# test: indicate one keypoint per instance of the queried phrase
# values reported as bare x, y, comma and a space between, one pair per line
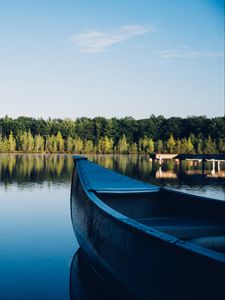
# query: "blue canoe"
148, 242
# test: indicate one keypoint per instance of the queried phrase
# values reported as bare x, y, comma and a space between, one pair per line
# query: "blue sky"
111, 58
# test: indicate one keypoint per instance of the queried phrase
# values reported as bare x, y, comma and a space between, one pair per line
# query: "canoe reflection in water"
85, 282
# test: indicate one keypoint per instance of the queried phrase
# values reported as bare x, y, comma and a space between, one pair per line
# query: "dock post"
180, 165
213, 167
160, 171
153, 172
203, 166
160, 161
218, 165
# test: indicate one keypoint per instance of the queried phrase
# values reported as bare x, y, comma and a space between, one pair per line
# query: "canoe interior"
194, 219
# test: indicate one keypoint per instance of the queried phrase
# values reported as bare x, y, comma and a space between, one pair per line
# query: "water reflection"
85, 282
162, 174
27, 168
24, 169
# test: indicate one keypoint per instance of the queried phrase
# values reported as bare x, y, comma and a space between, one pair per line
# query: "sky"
111, 58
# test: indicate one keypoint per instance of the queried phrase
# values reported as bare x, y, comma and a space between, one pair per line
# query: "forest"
195, 134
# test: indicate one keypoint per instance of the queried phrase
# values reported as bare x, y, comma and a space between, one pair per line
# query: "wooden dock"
203, 158
214, 158
161, 156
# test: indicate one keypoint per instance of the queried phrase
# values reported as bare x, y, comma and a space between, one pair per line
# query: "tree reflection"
57, 168
35, 168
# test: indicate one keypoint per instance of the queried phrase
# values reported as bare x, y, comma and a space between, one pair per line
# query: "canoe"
148, 242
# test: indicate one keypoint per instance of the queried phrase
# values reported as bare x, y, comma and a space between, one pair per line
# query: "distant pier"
215, 158
161, 156
203, 158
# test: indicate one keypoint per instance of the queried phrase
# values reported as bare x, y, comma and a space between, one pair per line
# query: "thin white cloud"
187, 52
92, 41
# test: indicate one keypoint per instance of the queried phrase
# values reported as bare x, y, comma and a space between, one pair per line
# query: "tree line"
125, 135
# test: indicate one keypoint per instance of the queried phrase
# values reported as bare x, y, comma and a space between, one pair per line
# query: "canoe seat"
216, 243
184, 228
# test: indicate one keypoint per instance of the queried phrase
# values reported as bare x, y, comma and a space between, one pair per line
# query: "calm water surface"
37, 243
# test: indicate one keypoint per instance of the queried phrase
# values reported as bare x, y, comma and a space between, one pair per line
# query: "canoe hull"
140, 264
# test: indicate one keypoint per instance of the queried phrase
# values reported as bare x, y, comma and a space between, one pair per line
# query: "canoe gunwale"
138, 228
121, 191
200, 198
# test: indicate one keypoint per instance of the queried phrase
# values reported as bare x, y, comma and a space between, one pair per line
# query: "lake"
37, 240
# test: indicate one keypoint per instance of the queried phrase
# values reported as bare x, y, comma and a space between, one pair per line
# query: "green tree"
123, 146
109, 130
159, 146
136, 131
199, 145
133, 148
47, 143
60, 142
4, 144
30, 142
171, 144
105, 145
210, 146
140, 145
52, 144
221, 145
150, 146
184, 146
193, 139
78, 145
88, 146
178, 146
69, 144
190, 147
145, 144
26, 141
38, 143
23, 141
11, 142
